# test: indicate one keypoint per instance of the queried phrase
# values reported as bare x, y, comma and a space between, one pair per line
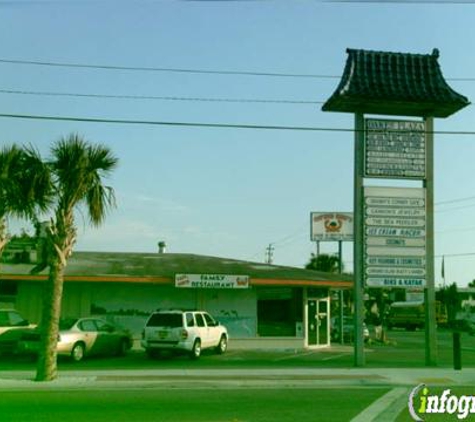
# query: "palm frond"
25, 182
79, 168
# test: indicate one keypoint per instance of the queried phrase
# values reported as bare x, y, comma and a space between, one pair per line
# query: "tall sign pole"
340, 293
394, 226
429, 291
359, 358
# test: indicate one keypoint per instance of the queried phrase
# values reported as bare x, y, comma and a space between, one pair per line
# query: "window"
4, 319
200, 322
8, 290
171, 320
210, 322
190, 320
16, 320
103, 327
66, 323
87, 325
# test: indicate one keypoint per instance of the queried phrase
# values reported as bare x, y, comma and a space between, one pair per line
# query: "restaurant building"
255, 301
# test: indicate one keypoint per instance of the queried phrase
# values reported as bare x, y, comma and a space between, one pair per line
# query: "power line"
452, 201
163, 123
162, 98
187, 70
153, 97
167, 69
202, 125
456, 254
460, 2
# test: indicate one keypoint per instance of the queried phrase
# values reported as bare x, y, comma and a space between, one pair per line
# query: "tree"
25, 186
472, 284
449, 297
323, 262
77, 169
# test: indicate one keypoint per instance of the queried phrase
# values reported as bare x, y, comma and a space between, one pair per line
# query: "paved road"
252, 385
219, 395
185, 405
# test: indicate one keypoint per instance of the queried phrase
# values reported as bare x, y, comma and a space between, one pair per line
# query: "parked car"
348, 330
80, 337
183, 332
465, 325
12, 327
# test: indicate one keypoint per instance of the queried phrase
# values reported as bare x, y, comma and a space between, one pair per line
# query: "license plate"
162, 334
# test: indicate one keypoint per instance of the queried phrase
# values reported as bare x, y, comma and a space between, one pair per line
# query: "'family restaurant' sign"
211, 281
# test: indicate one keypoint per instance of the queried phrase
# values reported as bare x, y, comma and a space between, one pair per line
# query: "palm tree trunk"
3, 235
47, 369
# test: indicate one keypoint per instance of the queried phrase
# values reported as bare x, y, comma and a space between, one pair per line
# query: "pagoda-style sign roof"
376, 82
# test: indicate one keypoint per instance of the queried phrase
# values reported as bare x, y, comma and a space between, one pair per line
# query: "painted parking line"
387, 408
341, 355
295, 356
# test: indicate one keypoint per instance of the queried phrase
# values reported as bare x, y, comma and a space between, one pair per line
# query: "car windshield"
67, 323
165, 320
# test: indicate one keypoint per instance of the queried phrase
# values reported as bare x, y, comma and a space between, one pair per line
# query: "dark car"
80, 337
348, 330
465, 325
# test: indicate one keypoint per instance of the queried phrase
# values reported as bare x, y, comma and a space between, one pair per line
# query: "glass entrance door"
312, 332
323, 307
318, 319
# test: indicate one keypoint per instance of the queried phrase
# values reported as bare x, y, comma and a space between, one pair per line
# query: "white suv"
183, 331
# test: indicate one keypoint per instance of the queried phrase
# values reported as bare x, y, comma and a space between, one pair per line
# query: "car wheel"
77, 352
123, 347
196, 350
222, 345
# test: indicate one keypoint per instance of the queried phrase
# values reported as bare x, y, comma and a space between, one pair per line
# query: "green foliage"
25, 186
323, 262
450, 298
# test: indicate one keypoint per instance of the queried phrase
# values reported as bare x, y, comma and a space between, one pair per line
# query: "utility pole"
269, 253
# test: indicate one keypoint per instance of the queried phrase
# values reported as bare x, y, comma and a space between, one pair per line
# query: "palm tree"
25, 186
77, 169
323, 262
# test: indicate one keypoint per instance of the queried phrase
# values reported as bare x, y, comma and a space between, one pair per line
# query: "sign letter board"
395, 237
395, 149
331, 226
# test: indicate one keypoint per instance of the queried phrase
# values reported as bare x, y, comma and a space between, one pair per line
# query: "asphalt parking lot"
404, 349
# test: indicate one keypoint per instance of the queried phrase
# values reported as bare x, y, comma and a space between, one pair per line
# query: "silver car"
80, 337
12, 328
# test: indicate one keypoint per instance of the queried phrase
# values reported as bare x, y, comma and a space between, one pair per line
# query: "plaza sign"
211, 281
395, 149
395, 237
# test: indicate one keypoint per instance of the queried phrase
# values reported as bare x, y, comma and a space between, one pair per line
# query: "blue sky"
231, 192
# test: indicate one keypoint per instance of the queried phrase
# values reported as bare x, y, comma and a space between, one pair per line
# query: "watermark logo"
422, 403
